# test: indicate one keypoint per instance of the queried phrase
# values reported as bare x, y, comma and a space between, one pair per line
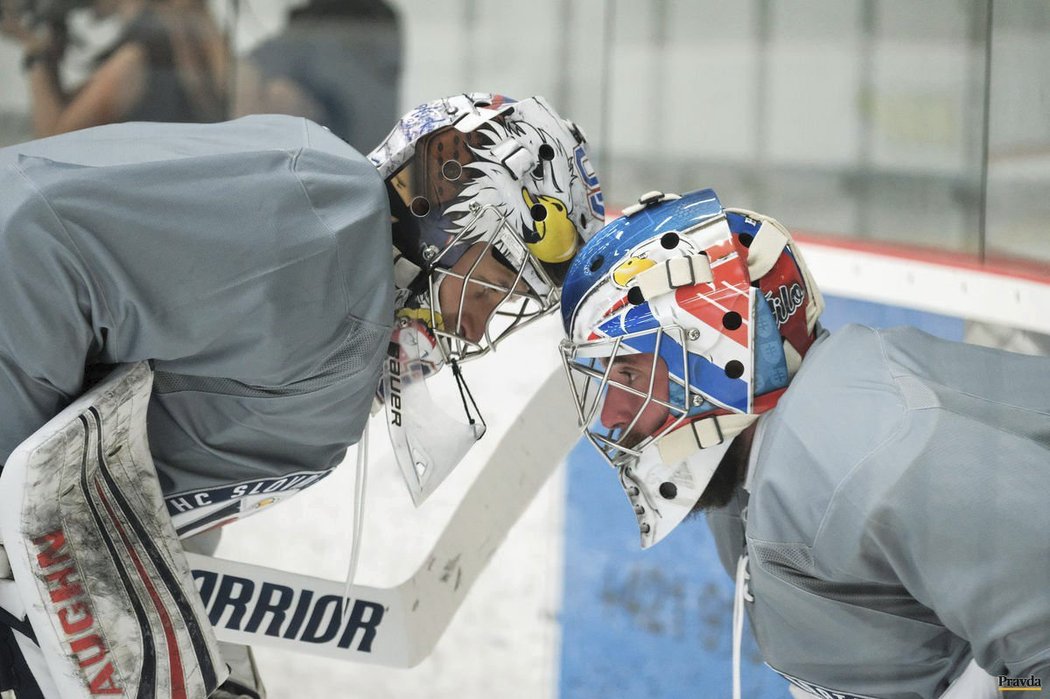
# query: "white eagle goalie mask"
490, 200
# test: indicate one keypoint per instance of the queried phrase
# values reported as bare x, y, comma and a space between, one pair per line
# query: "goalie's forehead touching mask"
491, 198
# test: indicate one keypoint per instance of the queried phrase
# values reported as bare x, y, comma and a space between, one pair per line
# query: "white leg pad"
96, 561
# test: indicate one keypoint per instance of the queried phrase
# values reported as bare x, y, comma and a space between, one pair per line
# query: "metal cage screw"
694, 334
430, 252
697, 399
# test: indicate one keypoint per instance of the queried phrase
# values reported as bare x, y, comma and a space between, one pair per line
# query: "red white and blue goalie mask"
685, 322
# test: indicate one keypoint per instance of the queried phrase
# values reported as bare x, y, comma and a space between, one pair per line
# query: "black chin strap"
464, 394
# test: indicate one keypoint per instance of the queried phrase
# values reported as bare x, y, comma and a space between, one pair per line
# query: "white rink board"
504, 640
931, 286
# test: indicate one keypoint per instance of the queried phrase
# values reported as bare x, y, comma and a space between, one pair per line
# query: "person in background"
338, 62
169, 63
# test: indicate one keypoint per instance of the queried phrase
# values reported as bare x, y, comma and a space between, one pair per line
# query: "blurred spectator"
168, 64
338, 62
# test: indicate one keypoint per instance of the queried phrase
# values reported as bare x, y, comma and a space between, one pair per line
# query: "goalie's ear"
97, 564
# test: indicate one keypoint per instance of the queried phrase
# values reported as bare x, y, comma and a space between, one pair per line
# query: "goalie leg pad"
96, 560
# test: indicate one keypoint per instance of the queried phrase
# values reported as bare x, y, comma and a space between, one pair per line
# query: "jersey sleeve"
46, 330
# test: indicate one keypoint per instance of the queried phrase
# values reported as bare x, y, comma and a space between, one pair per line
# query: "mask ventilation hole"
669, 241
537, 171
451, 170
539, 212
732, 320
668, 490
420, 207
745, 239
636, 297
546, 152
597, 263
734, 369
482, 103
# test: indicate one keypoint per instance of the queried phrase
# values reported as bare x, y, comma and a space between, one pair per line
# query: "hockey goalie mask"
490, 199
685, 322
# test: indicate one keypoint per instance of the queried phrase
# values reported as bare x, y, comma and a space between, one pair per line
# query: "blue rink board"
656, 624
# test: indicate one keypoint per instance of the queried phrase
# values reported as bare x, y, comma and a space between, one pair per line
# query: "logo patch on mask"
590, 179
785, 301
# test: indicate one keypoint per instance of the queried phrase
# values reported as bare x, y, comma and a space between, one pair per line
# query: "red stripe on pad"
178, 681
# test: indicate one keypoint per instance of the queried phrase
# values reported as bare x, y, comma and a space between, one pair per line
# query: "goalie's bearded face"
472, 289
635, 384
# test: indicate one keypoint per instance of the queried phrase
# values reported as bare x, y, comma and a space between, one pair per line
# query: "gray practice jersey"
898, 524
249, 260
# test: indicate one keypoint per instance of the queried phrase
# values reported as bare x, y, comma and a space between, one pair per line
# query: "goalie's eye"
623, 375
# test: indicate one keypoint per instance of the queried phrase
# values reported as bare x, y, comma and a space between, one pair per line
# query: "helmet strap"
406, 272
465, 394
515, 157
765, 249
792, 358
702, 434
666, 276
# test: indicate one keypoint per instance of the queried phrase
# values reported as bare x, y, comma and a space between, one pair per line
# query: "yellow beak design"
422, 315
631, 268
557, 234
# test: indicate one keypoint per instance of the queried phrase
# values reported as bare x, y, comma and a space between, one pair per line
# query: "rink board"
656, 623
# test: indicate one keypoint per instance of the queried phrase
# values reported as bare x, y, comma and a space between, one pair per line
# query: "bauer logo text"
394, 366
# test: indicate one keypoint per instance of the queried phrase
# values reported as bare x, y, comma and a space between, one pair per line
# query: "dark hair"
728, 476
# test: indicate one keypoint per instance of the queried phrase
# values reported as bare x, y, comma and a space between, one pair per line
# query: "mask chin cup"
428, 442
663, 494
